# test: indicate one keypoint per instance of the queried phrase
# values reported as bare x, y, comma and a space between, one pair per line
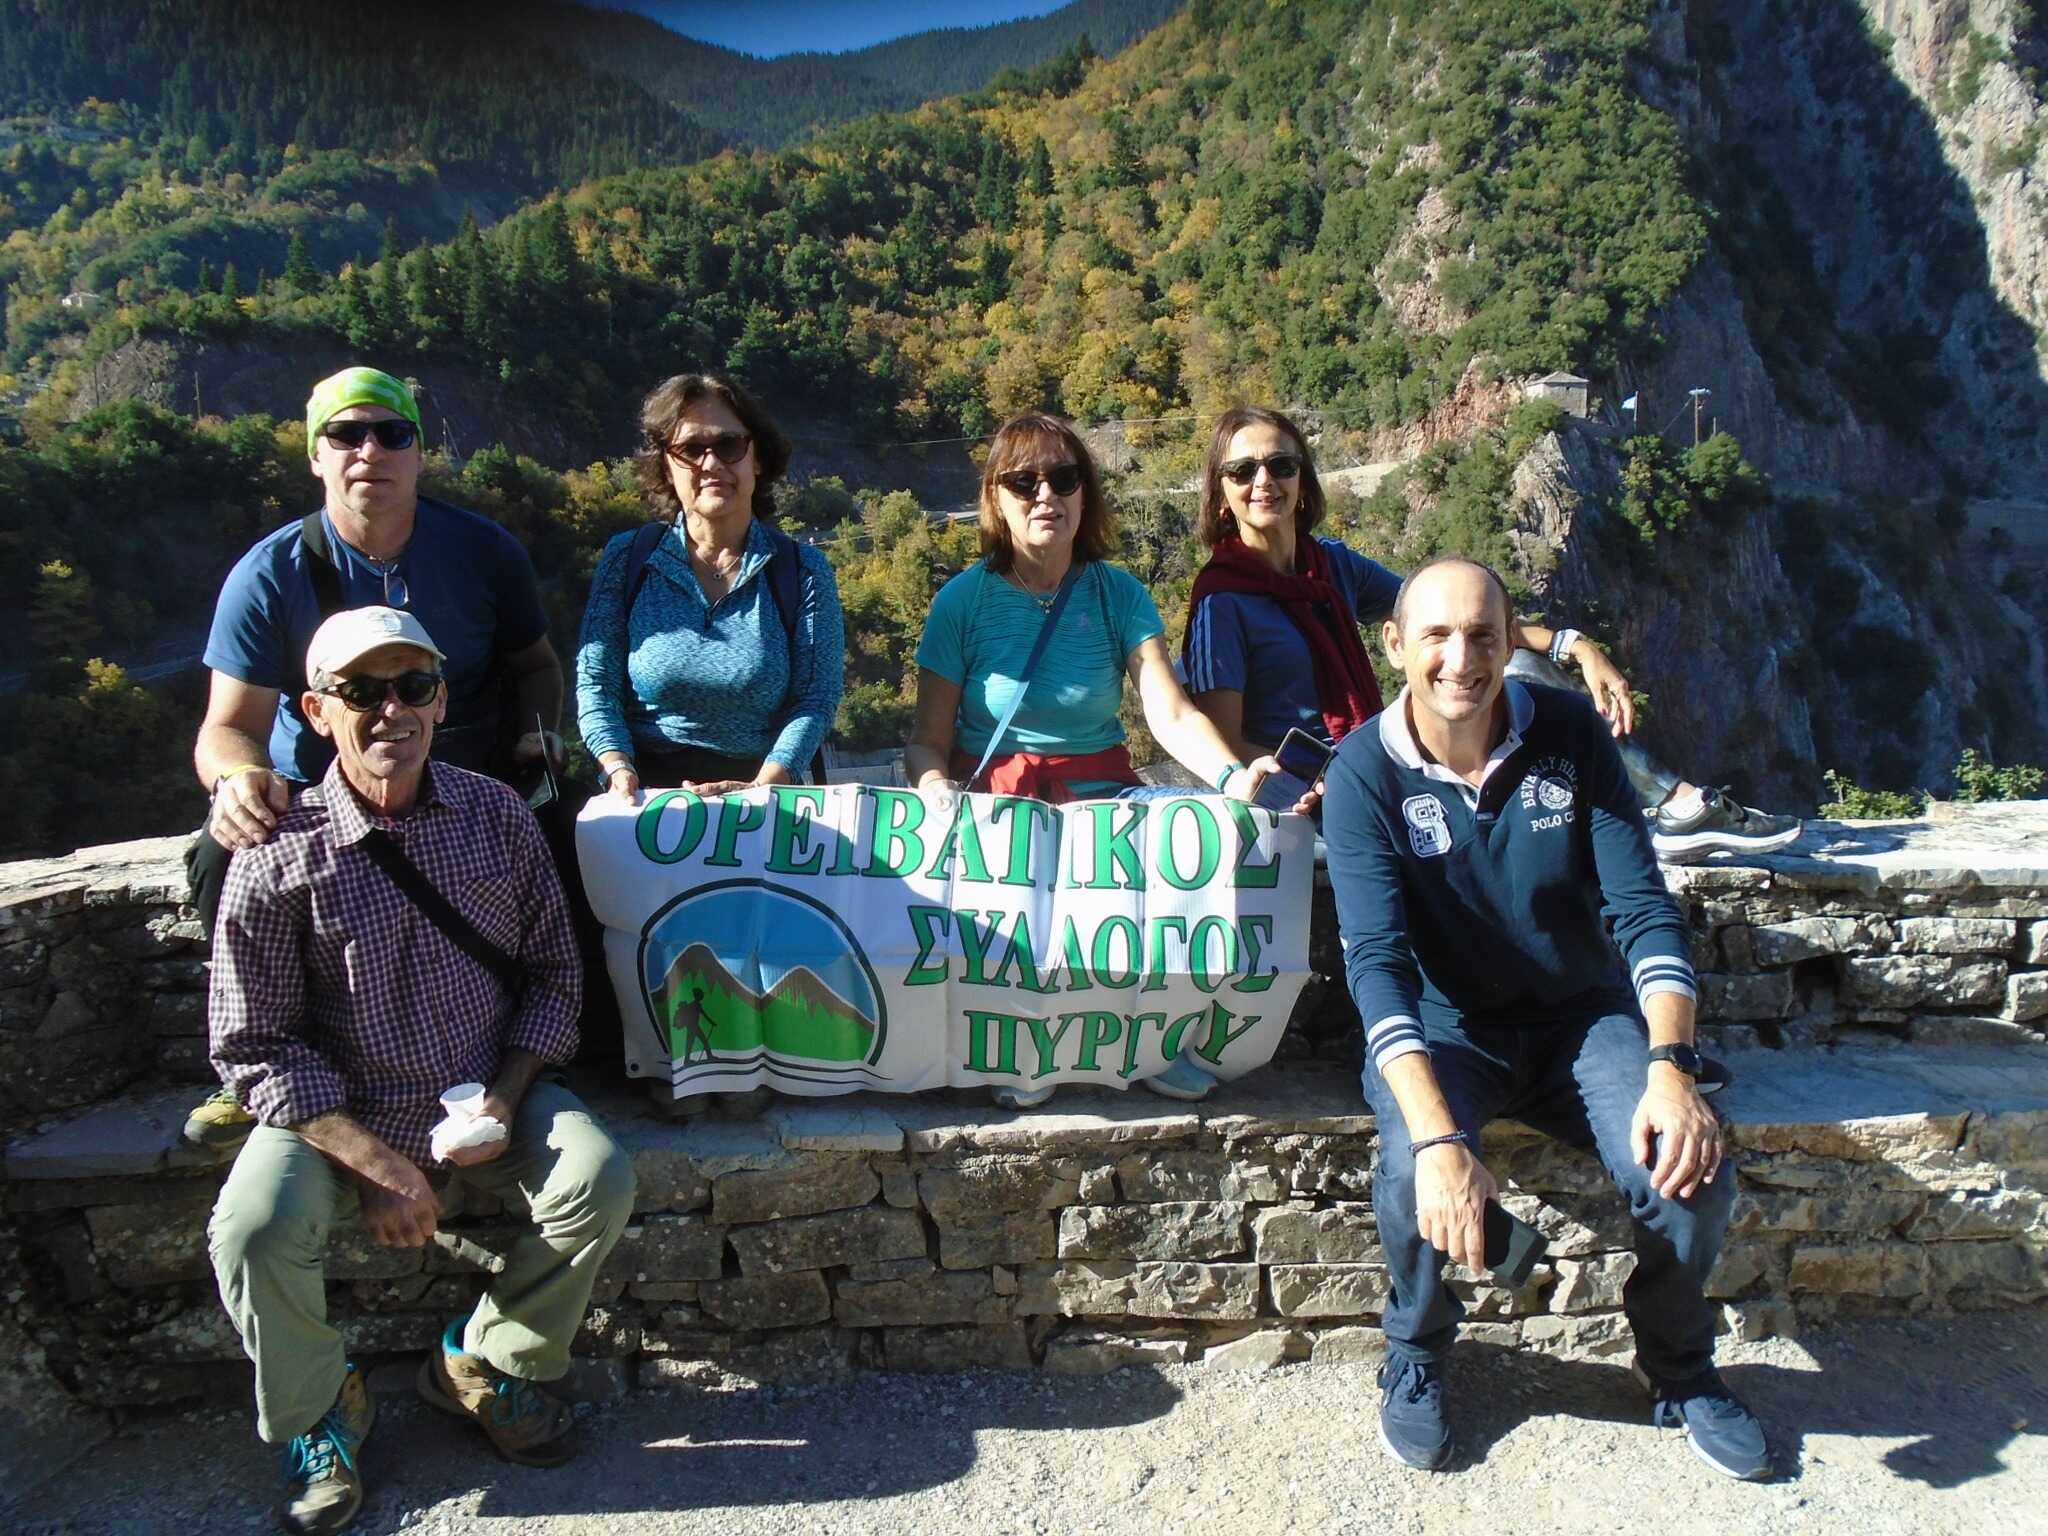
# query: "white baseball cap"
346, 637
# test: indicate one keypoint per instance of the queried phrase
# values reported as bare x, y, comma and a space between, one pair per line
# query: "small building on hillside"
1567, 390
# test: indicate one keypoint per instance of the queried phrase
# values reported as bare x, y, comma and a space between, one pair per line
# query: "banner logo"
721, 996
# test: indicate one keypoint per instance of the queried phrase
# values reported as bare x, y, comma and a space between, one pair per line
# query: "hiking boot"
1185, 1078
1723, 1432
323, 1487
1722, 822
1008, 1097
523, 1422
218, 1124
1412, 1426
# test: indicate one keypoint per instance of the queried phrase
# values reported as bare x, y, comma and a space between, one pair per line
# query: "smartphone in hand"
1512, 1246
1302, 761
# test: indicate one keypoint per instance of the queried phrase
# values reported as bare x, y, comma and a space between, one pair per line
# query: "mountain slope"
775, 102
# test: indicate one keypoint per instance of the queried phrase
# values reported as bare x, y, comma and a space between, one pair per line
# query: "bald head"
1435, 563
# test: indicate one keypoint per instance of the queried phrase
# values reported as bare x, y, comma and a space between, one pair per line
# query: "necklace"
1045, 600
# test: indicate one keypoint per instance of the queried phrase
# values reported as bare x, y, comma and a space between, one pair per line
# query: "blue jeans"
1653, 781
1579, 1082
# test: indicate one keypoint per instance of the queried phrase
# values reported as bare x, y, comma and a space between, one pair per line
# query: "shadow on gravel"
1957, 1410
869, 1437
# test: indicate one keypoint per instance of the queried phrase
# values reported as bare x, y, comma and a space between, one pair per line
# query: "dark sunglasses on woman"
1281, 466
415, 690
727, 448
1065, 479
391, 435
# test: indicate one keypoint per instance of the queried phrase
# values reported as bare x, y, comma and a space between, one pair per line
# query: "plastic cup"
465, 1101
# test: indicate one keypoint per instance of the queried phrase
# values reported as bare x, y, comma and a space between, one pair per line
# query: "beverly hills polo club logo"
1549, 792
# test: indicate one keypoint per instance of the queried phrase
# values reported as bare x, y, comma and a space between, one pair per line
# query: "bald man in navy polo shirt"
1489, 859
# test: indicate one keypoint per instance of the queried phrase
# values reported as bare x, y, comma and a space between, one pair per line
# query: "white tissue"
463, 1128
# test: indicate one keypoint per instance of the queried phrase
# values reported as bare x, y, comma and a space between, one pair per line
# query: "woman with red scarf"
1273, 631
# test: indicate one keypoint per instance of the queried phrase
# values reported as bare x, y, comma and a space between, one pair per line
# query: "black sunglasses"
415, 690
1281, 466
727, 448
1065, 479
392, 435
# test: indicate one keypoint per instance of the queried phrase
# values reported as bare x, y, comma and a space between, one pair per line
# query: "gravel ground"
1930, 1426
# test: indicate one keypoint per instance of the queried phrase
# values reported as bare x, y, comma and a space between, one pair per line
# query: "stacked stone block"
929, 1234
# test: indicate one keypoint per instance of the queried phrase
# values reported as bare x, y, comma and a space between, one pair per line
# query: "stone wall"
1877, 995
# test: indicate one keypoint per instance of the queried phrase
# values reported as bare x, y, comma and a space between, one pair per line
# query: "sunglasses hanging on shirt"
391, 435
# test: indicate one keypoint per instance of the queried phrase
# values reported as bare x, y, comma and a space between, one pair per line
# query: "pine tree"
390, 305
355, 319
423, 294
300, 275
205, 281
230, 283
1038, 174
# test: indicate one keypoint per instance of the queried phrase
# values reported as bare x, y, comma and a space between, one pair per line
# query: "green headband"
355, 386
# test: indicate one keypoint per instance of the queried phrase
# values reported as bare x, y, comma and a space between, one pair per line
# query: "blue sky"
766, 28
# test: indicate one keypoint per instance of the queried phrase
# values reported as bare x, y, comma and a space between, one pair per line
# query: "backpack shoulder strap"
786, 580
645, 539
321, 569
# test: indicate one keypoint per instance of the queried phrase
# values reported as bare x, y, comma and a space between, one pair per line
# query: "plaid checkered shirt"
332, 991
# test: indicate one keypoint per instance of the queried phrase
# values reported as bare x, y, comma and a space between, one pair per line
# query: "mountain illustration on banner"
742, 970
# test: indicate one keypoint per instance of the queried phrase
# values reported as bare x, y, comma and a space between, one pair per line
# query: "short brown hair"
1216, 523
1020, 444
664, 407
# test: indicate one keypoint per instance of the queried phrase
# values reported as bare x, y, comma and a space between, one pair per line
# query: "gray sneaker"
1722, 1431
1722, 822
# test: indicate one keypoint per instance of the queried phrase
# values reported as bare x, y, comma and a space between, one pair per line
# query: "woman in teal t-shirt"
1044, 522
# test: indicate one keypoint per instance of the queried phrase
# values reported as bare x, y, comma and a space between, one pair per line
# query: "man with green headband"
374, 540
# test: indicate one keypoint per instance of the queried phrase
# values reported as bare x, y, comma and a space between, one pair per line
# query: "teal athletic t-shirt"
980, 634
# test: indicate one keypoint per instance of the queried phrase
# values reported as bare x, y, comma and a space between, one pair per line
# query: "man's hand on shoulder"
1451, 1190
1674, 1125
246, 808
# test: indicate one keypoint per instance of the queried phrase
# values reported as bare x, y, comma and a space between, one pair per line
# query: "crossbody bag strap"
320, 567
385, 853
1052, 619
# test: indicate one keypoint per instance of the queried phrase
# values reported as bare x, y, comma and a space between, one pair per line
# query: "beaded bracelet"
1464, 1138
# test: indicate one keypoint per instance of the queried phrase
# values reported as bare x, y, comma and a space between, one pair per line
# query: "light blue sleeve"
1133, 615
820, 666
943, 647
601, 680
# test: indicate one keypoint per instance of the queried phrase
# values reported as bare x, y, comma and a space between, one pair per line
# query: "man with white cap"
400, 932
374, 539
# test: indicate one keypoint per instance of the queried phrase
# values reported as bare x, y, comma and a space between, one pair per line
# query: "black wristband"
1464, 1138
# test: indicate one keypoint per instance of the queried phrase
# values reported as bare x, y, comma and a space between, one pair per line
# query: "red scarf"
1347, 692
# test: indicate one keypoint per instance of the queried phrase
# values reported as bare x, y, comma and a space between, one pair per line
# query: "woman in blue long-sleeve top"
716, 662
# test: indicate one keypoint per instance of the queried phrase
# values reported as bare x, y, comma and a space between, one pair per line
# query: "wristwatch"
1681, 1056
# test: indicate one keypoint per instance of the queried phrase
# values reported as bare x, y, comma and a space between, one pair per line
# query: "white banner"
821, 940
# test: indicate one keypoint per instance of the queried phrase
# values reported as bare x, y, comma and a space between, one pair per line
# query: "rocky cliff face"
1868, 321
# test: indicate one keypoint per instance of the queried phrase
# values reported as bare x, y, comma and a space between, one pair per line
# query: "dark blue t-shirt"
467, 580
1246, 642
